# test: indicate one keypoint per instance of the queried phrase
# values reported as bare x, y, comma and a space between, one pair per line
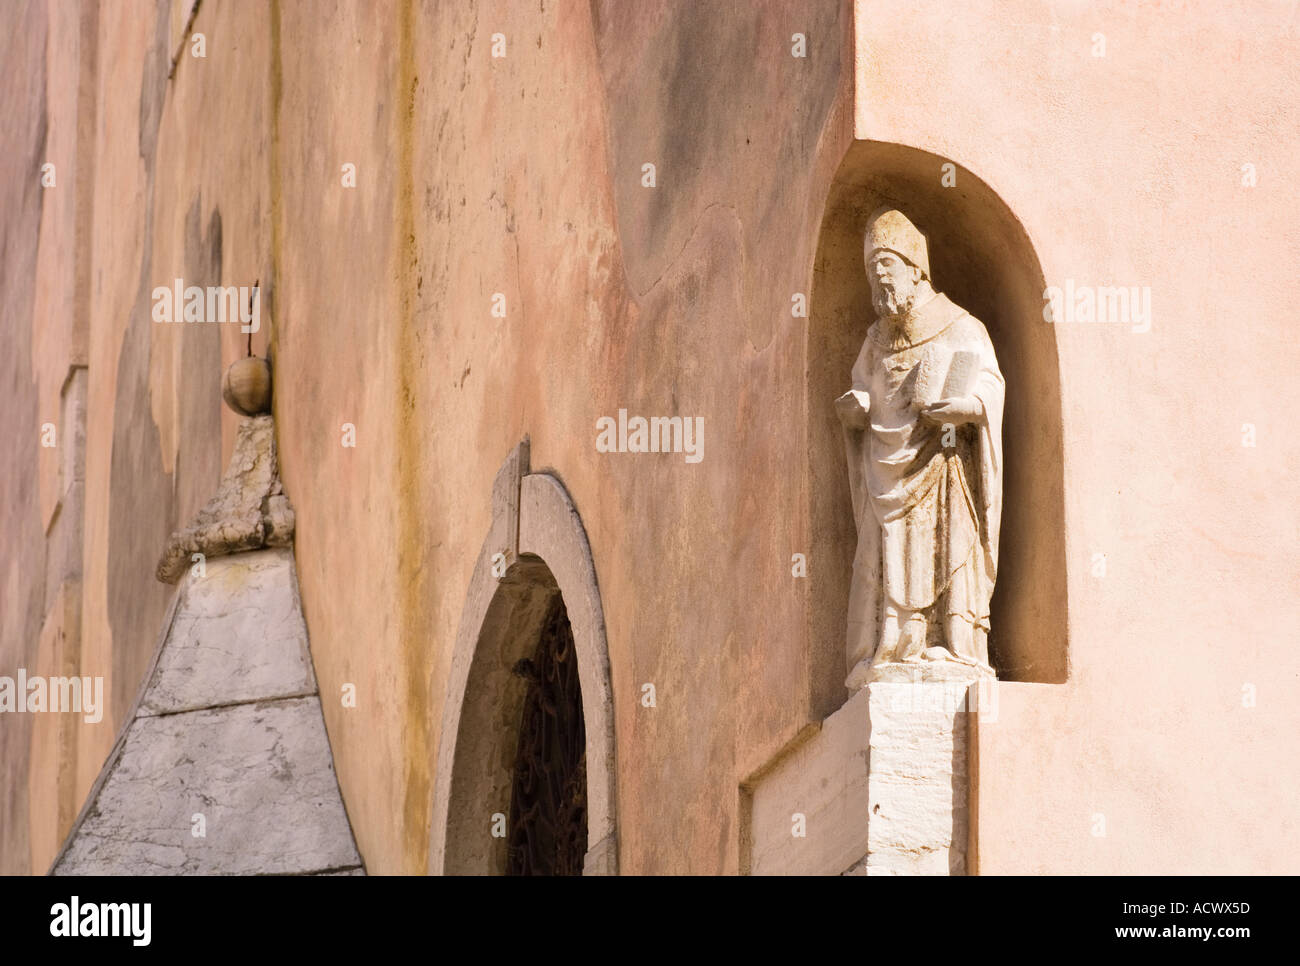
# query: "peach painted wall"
1127, 169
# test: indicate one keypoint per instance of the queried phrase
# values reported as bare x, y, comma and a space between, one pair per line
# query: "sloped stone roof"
227, 738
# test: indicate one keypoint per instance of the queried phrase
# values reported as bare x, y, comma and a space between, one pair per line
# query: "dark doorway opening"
548, 798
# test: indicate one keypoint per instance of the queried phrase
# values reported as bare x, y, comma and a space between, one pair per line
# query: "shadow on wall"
983, 260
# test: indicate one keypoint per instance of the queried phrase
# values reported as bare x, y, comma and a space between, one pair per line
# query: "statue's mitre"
890, 230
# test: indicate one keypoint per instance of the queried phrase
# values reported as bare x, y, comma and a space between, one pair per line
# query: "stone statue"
923, 431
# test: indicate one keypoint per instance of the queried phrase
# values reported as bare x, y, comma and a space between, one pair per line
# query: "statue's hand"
958, 411
852, 409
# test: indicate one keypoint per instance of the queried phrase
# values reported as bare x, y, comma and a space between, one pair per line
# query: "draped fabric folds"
927, 498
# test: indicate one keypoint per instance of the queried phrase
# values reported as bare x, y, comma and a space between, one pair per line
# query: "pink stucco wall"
1127, 169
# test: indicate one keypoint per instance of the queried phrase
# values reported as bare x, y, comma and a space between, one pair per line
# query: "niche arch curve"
983, 259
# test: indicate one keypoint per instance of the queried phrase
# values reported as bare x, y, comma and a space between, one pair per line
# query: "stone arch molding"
536, 541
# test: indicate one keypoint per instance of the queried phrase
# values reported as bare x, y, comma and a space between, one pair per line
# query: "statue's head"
898, 262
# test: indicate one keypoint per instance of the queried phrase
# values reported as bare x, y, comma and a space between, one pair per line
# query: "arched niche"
981, 257
539, 547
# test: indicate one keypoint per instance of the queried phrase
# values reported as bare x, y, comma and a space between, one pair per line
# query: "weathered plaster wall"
154, 179
475, 175
522, 176
24, 129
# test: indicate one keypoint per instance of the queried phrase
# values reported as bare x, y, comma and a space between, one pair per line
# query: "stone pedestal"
918, 777
881, 787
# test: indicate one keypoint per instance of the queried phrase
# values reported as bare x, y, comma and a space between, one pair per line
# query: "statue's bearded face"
894, 283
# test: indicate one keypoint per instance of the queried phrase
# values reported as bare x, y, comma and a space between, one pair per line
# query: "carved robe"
927, 514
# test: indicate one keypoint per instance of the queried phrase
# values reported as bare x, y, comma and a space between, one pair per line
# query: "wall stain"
412, 589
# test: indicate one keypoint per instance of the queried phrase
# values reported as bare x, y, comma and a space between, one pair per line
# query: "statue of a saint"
923, 431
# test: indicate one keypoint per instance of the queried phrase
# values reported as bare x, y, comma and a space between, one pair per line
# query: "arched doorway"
983, 259
525, 770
